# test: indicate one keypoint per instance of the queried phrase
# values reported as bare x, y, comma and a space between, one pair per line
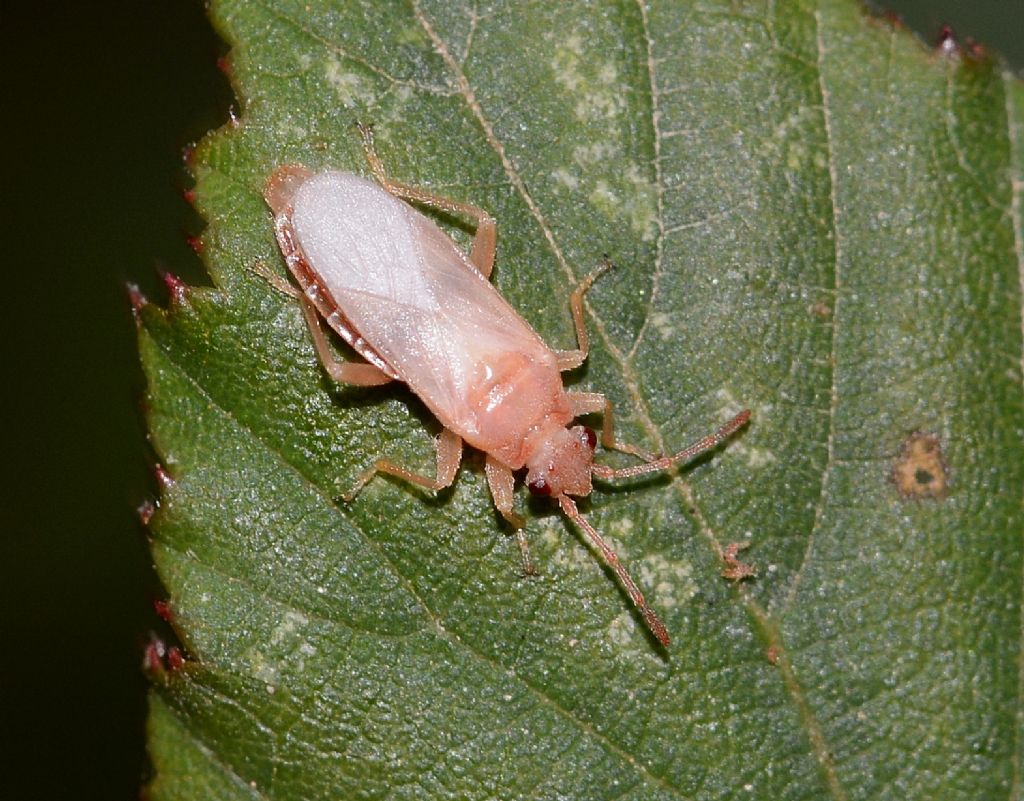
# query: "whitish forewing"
409, 292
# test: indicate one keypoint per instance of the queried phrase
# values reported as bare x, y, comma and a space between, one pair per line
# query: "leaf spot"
821, 310
920, 468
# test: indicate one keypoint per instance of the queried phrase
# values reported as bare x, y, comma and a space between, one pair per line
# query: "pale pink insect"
399, 291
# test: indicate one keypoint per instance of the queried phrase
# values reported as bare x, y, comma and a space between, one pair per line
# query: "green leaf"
811, 215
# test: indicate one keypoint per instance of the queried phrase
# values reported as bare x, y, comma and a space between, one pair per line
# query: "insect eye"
539, 487
589, 437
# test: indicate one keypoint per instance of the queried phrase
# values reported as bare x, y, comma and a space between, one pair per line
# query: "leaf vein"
817, 736
659, 178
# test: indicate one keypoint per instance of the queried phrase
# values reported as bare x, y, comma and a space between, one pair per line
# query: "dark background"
99, 101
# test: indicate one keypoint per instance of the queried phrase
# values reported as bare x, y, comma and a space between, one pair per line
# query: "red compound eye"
539, 487
590, 437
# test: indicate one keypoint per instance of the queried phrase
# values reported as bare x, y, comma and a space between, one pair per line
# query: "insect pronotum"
418, 309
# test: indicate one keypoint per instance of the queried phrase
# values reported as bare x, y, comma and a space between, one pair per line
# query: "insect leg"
686, 454
449, 454
650, 618
591, 402
484, 241
502, 482
275, 280
569, 359
356, 373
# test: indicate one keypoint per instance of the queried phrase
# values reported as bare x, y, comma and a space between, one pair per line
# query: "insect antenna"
650, 618
686, 454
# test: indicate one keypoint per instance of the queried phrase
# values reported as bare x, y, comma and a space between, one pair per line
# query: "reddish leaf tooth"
135, 297
153, 656
163, 610
163, 478
145, 511
175, 658
177, 288
947, 44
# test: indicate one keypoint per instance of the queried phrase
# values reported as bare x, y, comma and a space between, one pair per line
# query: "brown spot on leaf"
920, 468
821, 310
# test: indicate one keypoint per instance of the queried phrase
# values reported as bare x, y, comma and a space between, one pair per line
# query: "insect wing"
410, 293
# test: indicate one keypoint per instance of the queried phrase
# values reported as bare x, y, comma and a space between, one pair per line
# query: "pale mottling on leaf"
351, 88
671, 581
622, 526
565, 63
623, 632
628, 636
641, 204
394, 105
295, 131
560, 547
663, 324
287, 630
729, 406
796, 155
568, 553
262, 668
595, 154
595, 94
566, 179
412, 35
604, 104
755, 457
635, 202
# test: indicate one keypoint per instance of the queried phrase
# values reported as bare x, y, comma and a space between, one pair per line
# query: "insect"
418, 309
